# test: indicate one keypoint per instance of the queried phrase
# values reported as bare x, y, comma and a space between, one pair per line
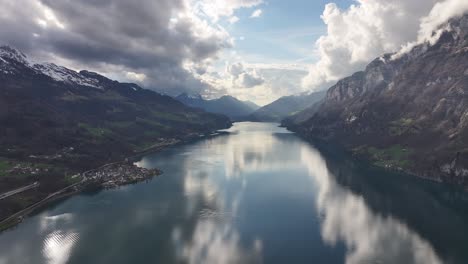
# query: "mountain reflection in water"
256, 195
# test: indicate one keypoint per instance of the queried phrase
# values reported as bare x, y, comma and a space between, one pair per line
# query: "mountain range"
52, 116
286, 106
225, 105
404, 111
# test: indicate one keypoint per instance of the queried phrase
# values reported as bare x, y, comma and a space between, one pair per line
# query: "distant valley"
226, 105
286, 106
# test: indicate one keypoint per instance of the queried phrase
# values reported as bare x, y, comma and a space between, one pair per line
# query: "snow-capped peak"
9, 53
13, 61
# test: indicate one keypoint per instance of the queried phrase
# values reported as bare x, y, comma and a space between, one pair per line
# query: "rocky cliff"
404, 111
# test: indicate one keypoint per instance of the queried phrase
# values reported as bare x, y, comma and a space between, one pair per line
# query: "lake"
257, 194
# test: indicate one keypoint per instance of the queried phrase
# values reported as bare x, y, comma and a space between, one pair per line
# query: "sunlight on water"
58, 246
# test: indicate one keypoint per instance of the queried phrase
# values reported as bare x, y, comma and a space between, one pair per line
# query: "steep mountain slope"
408, 112
79, 120
286, 106
226, 105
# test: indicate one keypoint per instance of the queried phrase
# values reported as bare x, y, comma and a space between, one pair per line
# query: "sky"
257, 50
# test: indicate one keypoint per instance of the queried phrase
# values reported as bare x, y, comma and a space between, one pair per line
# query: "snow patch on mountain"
62, 74
12, 60
9, 53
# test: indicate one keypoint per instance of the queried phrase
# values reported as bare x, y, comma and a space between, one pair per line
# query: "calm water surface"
256, 195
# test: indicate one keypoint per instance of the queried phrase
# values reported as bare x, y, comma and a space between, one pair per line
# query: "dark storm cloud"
144, 36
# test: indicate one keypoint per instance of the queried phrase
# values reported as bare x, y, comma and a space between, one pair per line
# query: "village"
117, 174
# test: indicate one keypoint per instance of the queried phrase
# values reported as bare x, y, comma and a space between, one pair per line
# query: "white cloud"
249, 80
440, 13
243, 77
216, 9
369, 29
233, 19
256, 13
139, 77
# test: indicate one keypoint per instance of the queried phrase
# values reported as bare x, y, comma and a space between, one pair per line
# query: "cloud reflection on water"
200, 208
213, 242
207, 172
368, 236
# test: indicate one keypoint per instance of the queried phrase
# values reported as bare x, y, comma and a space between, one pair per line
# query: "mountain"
253, 106
286, 106
51, 116
225, 105
404, 111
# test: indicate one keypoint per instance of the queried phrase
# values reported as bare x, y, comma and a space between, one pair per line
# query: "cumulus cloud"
147, 41
256, 13
244, 77
235, 69
371, 28
271, 81
250, 80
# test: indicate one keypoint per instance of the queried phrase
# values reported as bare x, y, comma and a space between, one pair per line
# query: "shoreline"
16, 218
320, 143
79, 187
